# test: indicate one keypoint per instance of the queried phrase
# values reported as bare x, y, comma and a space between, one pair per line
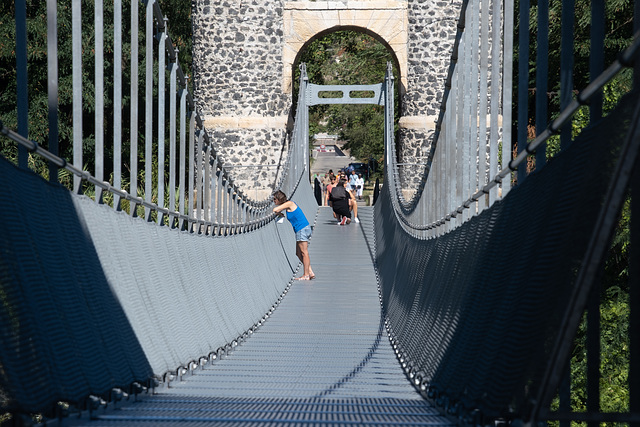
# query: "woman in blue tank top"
300, 226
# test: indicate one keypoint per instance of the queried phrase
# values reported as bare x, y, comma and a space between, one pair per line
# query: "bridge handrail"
450, 279
421, 217
171, 51
34, 147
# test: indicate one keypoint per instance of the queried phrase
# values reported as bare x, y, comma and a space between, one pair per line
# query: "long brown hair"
280, 197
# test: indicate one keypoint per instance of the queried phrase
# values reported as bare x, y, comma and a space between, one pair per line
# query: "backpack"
338, 193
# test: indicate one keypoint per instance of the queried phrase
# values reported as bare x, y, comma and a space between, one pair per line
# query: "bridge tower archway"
388, 24
394, 57
244, 53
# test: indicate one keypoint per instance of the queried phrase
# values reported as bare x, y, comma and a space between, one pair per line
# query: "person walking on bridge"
301, 227
359, 186
353, 178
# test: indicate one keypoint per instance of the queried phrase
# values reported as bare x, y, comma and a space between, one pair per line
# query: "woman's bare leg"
303, 254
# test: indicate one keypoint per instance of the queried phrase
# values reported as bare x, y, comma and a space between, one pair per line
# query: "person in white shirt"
359, 186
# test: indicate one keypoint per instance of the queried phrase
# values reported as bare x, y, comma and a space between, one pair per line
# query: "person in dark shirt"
330, 186
342, 203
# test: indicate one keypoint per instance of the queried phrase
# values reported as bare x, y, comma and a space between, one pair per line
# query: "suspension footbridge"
323, 357
454, 300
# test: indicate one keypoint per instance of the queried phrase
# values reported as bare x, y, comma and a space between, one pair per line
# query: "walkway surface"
322, 358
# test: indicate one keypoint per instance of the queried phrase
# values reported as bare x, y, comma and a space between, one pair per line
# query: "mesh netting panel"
477, 309
92, 299
64, 334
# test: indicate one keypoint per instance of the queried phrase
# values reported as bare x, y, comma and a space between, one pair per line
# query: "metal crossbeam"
313, 92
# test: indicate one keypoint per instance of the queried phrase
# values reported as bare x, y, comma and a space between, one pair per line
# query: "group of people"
340, 193
354, 184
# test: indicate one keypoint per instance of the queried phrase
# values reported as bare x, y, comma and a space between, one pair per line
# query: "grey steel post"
199, 177
219, 195
451, 153
465, 112
482, 108
523, 83
21, 77
245, 215
99, 95
496, 78
52, 86
225, 202
183, 150
507, 91
596, 56
542, 71
117, 100
76, 61
191, 164
230, 202
566, 66
596, 65
455, 177
206, 185
133, 128
148, 128
438, 169
234, 209
566, 96
478, 150
173, 96
461, 153
214, 191
162, 55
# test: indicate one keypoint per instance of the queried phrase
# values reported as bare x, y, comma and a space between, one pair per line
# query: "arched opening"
348, 134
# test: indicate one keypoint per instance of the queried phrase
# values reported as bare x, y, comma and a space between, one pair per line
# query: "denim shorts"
304, 234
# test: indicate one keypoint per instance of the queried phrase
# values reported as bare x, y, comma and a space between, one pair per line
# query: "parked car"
360, 168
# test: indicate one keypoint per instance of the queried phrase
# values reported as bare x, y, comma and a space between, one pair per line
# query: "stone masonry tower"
245, 51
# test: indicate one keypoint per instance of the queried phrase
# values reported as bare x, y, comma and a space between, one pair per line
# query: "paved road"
335, 160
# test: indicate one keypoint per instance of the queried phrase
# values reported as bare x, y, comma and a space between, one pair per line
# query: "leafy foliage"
611, 94
614, 309
38, 126
349, 58
618, 35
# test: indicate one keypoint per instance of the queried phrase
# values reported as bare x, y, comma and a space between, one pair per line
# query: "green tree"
179, 26
349, 58
618, 35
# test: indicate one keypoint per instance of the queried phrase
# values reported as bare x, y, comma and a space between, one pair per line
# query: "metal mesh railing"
477, 314
484, 290
480, 196
470, 142
97, 302
471, 163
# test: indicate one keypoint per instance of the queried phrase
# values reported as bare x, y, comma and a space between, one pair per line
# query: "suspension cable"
624, 60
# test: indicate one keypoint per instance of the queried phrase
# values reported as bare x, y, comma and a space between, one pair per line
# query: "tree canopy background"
349, 58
